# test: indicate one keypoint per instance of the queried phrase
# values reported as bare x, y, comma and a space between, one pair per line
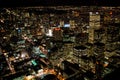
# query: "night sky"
20, 3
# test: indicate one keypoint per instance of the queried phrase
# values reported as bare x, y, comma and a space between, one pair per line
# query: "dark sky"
20, 3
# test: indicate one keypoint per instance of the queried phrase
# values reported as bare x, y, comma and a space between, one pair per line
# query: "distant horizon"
57, 7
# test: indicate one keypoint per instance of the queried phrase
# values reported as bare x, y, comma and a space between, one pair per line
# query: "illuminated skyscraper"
57, 34
61, 23
94, 23
72, 23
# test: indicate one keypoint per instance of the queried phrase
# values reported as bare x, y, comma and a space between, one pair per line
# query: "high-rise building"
72, 23
94, 23
57, 34
61, 23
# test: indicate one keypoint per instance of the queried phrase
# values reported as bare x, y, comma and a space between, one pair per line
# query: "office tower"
57, 34
72, 23
94, 23
61, 23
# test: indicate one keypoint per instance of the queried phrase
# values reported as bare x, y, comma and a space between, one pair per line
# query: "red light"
111, 13
57, 29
